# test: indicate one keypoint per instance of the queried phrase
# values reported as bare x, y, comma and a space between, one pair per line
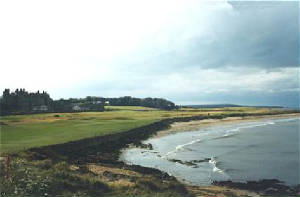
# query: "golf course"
20, 132
77, 154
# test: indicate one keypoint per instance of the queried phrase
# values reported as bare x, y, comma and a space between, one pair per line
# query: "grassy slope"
20, 132
30, 177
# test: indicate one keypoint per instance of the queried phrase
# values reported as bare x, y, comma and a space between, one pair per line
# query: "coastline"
252, 188
99, 156
178, 127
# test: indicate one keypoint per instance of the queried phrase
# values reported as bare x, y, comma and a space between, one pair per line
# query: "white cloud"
206, 81
60, 44
139, 48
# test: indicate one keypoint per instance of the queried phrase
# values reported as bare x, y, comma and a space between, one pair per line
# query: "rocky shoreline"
271, 187
192, 163
105, 151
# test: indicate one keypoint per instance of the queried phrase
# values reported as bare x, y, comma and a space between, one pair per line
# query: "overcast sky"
191, 52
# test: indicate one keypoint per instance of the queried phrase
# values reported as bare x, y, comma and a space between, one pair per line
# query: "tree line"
22, 102
159, 103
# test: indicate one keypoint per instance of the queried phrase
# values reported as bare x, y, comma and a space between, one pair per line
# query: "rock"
272, 187
145, 146
189, 163
2, 123
74, 168
182, 162
201, 160
114, 176
152, 171
270, 190
83, 169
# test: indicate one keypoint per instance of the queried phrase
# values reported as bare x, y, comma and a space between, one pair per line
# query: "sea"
240, 152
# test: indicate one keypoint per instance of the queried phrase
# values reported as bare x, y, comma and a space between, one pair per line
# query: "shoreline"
178, 127
249, 188
99, 156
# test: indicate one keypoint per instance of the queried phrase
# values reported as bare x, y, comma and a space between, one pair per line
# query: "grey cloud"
251, 38
287, 99
266, 38
259, 36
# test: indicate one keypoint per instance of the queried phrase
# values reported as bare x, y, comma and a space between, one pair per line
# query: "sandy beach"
178, 154
201, 124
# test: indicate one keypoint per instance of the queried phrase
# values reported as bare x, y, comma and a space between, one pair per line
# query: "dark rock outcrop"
192, 163
271, 187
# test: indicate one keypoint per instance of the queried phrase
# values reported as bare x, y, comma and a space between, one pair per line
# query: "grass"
46, 178
130, 108
40, 176
20, 132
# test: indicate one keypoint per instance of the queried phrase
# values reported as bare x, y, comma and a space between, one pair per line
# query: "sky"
190, 52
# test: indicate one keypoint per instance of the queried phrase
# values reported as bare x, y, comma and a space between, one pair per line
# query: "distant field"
131, 108
20, 132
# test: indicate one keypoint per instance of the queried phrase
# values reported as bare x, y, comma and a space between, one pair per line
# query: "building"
40, 108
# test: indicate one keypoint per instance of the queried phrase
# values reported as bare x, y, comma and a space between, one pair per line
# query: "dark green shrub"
44, 164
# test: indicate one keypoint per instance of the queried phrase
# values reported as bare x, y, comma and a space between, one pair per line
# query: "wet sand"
213, 190
201, 124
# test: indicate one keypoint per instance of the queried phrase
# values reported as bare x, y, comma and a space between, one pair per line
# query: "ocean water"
263, 149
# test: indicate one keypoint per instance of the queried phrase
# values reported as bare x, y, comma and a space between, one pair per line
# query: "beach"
201, 124
239, 149
162, 157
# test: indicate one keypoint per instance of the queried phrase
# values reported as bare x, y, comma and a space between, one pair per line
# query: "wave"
228, 133
220, 173
181, 147
252, 126
214, 162
233, 131
287, 119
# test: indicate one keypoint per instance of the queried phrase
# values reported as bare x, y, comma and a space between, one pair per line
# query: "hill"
228, 105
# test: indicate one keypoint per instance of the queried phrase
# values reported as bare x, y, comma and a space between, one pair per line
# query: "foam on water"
181, 147
214, 164
233, 149
228, 133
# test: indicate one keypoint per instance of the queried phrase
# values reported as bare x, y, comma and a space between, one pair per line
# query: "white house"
40, 108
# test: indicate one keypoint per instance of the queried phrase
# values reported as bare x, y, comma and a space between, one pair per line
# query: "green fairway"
20, 132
